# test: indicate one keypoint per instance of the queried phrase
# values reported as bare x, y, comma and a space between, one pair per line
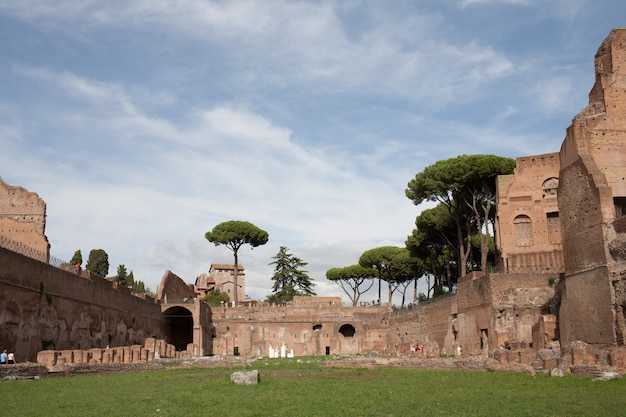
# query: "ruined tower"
23, 221
592, 202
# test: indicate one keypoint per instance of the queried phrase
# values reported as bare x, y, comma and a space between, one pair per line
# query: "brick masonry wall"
306, 330
529, 192
45, 307
23, 217
592, 175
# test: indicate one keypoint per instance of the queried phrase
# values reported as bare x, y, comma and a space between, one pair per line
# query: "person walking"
10, 358
3, 357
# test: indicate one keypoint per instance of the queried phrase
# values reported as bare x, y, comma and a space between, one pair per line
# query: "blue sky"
145, 123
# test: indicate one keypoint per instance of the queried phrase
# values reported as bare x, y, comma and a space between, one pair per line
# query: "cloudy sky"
145, 123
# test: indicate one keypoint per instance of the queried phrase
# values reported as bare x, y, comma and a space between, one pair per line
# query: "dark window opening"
554, 227
347, 330
620, 206
483, 338
317, 327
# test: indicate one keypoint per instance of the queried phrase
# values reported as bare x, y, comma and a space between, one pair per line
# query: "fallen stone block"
607, 376
245, 378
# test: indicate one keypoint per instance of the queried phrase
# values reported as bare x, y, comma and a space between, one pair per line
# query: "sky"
144, 123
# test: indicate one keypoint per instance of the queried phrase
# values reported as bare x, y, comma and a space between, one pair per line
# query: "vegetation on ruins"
122, 275
128, 280
77, 259
465, 186
234, 234
433, 242
290, 279
303, 387
394, 265
216, 298
98, 262
354, 280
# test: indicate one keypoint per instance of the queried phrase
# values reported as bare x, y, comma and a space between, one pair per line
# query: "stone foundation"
152, 349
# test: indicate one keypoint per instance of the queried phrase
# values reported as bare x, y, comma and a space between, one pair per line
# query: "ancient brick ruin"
23, 221
528, 226
221, 277
557, 301
592, 199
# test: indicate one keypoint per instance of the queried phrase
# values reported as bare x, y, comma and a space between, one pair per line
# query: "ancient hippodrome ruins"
560, 285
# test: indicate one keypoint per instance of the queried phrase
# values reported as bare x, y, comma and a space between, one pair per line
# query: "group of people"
7, 358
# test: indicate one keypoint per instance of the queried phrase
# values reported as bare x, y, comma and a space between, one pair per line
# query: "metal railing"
40, 256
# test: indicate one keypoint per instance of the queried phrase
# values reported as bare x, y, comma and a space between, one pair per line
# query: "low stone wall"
152, 349
578, 358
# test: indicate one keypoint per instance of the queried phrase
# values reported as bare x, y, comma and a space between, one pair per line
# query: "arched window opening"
347, 330
549, 187
317, 327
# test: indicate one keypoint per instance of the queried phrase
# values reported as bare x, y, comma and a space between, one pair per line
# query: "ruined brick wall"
223, 276
519, 301
23, 218
306, 330
440, 316
496, 309
45, 307
592, 197
474, 313
173, 289
408, 328
528, 229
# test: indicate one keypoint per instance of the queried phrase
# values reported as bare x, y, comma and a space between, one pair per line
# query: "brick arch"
549, 187
347, 330
177, 324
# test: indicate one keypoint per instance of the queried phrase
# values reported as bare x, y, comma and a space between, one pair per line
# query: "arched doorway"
348, 342
178, 326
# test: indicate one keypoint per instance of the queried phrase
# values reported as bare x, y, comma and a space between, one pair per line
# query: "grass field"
289, 388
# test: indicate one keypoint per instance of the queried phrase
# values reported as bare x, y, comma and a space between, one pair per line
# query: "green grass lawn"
289, 388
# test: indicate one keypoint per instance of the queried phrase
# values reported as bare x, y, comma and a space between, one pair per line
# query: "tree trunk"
236, 299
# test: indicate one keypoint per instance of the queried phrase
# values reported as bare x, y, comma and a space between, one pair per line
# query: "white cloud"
554, 95
285, 43
466, 3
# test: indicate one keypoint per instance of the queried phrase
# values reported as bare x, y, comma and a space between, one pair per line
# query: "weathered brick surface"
527, 225
592, 184
548, 364
23, 218
43, 304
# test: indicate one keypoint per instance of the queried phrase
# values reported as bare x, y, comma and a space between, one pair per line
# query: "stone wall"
592, 197
23, 218
441, 317
43, 307
150, 350
528, 229
501, 309
305, 330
